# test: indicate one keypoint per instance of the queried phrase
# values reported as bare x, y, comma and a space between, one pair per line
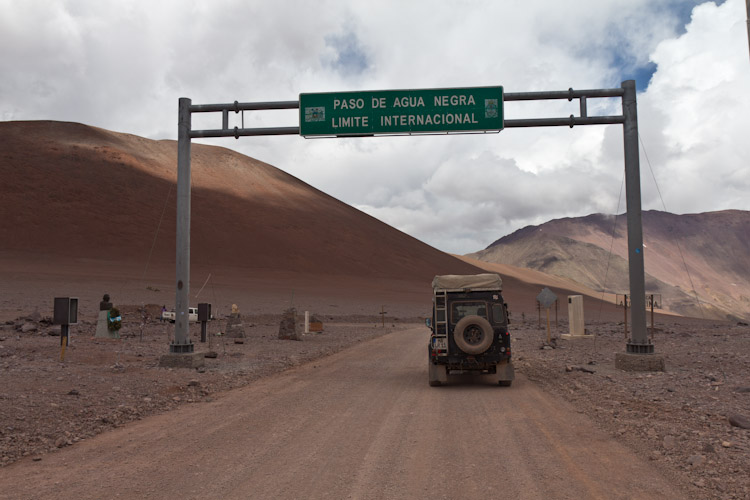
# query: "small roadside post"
204, 315
382, 313
539, 313
65, 314
653, 301
622, 301
546, 298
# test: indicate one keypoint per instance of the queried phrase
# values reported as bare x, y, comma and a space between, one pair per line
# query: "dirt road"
362, 423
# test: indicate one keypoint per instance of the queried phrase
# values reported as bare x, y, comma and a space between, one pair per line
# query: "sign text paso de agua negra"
422, 111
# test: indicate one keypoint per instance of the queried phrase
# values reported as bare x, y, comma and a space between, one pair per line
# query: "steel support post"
639, 342
181, 342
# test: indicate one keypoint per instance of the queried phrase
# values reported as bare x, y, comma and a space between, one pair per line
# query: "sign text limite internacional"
477, 109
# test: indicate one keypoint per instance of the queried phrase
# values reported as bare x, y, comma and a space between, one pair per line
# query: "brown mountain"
706, 254
82, 204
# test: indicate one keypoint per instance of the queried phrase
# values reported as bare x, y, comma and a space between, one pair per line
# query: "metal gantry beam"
639, 342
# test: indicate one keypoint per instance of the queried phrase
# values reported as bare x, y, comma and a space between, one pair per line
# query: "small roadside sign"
546, 298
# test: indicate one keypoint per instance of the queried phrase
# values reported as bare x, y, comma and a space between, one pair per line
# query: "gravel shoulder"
47, 404
679, 418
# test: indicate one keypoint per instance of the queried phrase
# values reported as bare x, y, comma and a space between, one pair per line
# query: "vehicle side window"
497, 313
468, 308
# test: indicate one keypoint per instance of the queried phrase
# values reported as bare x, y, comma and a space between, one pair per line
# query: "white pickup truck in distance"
171, 315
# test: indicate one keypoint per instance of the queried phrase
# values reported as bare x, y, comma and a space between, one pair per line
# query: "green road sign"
421, 111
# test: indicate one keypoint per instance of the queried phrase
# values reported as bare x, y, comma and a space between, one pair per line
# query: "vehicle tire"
473, 334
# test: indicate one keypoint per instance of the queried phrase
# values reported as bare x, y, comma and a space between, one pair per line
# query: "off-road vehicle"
469, 328
171, 316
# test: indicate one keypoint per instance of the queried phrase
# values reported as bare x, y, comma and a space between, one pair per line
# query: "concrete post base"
639, 362
568, 336
102, 330
182, 360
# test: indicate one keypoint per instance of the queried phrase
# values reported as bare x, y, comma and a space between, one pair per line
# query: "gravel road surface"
360, 424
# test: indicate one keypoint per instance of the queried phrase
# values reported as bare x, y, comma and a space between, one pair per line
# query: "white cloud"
123, 66
698, 99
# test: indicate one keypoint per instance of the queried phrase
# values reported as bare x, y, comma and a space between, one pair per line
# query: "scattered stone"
740, 421
726, 444
669, 442
61, 441
239, 341
211, 354
29, 327
201, 369
234, 328
37, 459
579, 369
288, 327
708, 448
74, 392
696, 460
316, 324
742, 390
194, 383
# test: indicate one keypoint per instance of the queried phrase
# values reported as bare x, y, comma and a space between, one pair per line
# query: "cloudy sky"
122, 65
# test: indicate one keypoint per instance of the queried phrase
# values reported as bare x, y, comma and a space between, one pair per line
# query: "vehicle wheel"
473, 334
505, 383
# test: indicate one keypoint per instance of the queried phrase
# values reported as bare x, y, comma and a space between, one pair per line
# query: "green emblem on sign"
315, 114
490, 108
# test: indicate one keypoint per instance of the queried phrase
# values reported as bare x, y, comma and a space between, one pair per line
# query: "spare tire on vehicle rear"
473, 334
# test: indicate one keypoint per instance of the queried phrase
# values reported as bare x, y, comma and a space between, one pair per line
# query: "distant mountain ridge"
715, 247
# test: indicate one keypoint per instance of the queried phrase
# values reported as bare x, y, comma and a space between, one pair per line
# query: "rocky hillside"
82, 194
706, 254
